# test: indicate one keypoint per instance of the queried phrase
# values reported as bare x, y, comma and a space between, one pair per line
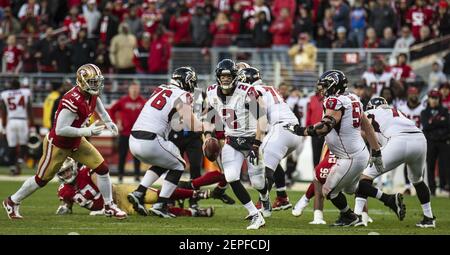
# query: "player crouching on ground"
79, 186
67, 139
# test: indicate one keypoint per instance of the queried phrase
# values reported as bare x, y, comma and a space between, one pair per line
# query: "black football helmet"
185, 78
332, 82
375, 102
249, 75
227, 67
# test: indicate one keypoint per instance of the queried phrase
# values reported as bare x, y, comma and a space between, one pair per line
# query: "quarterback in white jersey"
17, 118
341, 125
169, 105
378, 78
236, 104
405, 144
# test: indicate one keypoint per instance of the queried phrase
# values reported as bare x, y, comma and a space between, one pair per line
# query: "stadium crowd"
118, 36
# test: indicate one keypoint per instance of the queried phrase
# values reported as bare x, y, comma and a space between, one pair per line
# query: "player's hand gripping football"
112, 127
376, 160
254, 153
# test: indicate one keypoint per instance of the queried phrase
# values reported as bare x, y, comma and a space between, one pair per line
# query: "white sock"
359, 205
167, 189
427, 210
379, 194
104, 185
281, 188
28, 188
365, 217
150, 177
251, 208
345, 209
318, 215
264, 197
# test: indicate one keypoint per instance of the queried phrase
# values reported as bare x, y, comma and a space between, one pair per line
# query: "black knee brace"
365, 189
158, 170
174, 176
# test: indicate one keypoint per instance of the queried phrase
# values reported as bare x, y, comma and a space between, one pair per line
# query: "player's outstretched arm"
328, 122
64, 126
100, 109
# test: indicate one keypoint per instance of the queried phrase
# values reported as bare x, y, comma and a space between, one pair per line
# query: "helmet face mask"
332, 83
226, 74
68, 171
90, 79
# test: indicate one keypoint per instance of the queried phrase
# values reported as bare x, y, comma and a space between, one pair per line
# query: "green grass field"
39, 212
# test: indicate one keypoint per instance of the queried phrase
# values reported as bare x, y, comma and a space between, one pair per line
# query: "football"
211, 149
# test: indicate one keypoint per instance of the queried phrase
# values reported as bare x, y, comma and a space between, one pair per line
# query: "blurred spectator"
125, 112
403, 43
402, 71
74, 23
9, 24
143, 49
12, 56
221, 29
279, 5
341, 40
303, 54
359, 89
436, 76
261, 35
447, 63
44, 48
151, 17
29, 24
425, 35
134, 22
200, 28
30, 63
314, 115
30, 5
260, 6
108, 25
401, 11
328, 23
160, 50
61, 55
118, 10
388, 94
341, 14
121, 50
302, 23
44, 12
371, 41
381, 17
323, 40
180, 24
419, 16
444, 89
388, 39
66, 86
281, 30
83, 50
435, 122
443, 19
358, 17
102, 58
92, 16
378, 77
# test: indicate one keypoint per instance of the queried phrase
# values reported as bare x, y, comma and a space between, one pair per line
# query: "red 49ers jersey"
12, 57
323, 168
83, 192
75, 101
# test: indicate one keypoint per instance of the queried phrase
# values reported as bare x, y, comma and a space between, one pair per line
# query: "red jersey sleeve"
66, 192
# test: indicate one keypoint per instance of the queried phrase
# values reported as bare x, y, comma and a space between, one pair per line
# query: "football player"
378, 77
67, 139
236, 105
278, 143
79, 186
17, 117
405, 144
168, 106
341, 125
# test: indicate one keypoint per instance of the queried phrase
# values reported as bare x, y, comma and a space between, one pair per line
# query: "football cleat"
281, 203
427, 222
12, 209
257, 221
300, 206
203, 212
138, 204
346, 219
219, 193
162, 210
202, 194
266, 208
97, 213
111, 210
396, 204
318, 222
361, 222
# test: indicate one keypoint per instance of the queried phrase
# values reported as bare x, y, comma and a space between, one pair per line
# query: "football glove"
63, 210
112, 127
93, 129
376, 160
254, 153
295, 129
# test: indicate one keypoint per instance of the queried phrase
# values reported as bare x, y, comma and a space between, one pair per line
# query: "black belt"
143, 135
17, 118
412, 132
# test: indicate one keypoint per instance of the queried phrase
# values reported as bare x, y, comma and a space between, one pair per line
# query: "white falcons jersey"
278, 110
345, 140
235, 110
377, 82
389, 122
302, 107
156, 116
412, 113
16, 102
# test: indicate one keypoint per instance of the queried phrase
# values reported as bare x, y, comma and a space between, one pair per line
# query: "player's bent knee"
102, 169
232, 177
41, 183
174, 176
